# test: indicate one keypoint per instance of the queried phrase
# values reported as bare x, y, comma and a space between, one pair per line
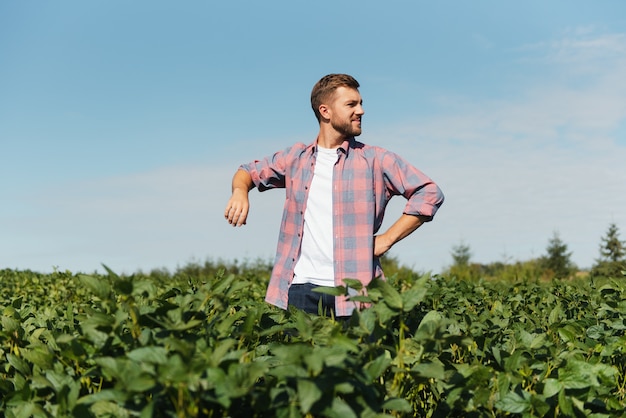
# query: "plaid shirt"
365, 178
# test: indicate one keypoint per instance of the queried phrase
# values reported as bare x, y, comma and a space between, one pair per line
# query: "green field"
200, 342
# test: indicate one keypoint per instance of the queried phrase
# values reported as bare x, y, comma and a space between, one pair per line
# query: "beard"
346, 128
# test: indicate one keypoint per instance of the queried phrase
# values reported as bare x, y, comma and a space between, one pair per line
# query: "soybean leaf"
97, 285
412, 297
397, 405
415, 294
340, 409
551, 387
391, 297
138, 382
10, 325
353, 284
538, 341
429, 325
376, 367
40, 357
19, 364
513, 403
110, 409
565, 404
334, 291
435, 370
110, 272
153, 355
27, 410
385, 313
308, 394
595, 332
123, 286
577, 375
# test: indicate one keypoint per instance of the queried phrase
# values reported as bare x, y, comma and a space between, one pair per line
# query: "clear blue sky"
121, 123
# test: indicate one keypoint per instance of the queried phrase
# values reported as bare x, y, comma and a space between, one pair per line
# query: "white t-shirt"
316, 262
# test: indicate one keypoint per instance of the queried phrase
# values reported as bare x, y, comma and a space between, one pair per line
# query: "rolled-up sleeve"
424, 197
269, 173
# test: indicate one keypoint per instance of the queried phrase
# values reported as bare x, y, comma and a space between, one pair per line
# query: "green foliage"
200, 342
461, 266
557, 261
612, 261
612, 248
461, 255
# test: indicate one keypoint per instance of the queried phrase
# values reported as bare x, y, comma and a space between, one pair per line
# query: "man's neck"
330, 139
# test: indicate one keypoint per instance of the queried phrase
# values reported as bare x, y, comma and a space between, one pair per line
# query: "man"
336, 192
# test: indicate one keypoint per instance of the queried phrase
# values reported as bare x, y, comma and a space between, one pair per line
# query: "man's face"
346, 111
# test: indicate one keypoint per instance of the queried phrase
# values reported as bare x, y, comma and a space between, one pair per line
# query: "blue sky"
121, 123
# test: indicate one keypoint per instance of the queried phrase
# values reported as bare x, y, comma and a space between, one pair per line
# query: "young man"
336, 192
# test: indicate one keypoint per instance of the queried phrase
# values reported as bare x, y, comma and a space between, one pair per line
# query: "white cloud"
587, 51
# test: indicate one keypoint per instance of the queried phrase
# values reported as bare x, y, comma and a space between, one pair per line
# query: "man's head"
324, 90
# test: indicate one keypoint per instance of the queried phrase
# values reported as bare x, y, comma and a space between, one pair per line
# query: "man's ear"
324, 111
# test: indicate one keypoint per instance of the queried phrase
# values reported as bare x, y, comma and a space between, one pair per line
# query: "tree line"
556, 262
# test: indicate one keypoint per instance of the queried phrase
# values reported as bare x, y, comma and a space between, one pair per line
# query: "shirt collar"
345, 146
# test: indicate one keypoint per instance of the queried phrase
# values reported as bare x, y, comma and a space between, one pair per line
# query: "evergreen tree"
612, 259
461, 266
461, 255
557, 261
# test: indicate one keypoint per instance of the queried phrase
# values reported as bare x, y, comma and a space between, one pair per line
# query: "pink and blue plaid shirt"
365, 178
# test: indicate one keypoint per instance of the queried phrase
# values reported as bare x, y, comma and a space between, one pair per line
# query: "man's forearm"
242, 181
402, 228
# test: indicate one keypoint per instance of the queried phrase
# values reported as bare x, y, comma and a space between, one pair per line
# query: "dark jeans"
303, 297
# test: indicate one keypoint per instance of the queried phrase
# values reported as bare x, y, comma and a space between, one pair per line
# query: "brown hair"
325, 88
